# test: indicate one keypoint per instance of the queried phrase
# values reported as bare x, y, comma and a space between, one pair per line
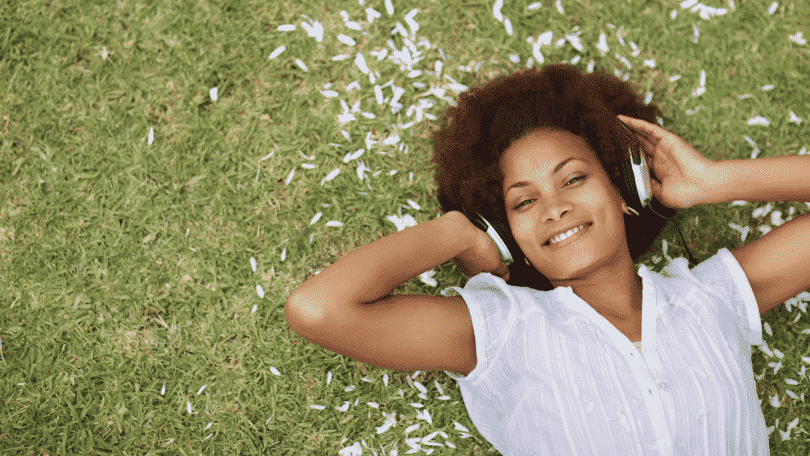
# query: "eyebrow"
556, 170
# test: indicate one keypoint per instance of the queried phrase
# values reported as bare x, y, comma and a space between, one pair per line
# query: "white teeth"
561, 237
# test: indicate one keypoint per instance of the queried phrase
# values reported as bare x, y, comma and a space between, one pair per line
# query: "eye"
526, 201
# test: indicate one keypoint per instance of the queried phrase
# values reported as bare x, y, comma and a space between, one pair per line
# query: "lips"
586, 226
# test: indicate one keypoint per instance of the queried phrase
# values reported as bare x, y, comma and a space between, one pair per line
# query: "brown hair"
487, 119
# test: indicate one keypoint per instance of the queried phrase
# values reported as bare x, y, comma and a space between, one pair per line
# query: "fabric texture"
554, 377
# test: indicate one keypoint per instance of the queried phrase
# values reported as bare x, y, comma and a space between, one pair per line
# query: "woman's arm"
777, 265
784, 178
374, 270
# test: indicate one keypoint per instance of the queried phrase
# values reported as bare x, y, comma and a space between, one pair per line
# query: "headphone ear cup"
634, 175
501, 235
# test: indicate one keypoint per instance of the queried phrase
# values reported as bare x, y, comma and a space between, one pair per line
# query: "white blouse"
555, 377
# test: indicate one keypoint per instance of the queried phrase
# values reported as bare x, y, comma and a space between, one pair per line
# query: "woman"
545, 359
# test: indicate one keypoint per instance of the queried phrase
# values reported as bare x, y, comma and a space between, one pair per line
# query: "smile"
570, 237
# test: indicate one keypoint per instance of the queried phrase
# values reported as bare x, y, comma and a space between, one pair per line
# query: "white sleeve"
490, 301
724, 272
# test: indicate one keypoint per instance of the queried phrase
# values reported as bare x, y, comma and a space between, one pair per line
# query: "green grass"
125, 266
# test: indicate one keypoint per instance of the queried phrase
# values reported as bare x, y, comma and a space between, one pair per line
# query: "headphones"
637, 192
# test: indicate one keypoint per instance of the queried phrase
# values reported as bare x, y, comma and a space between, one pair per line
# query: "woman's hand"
482, 256
683, 175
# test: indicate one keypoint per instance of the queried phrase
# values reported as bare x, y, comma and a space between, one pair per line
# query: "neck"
615, 292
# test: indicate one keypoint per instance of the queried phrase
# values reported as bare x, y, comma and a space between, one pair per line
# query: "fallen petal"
277, 52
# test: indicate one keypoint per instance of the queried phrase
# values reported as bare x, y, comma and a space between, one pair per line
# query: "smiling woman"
487, 161
572, 229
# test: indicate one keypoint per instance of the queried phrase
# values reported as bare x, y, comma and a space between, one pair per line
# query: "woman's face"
543, 197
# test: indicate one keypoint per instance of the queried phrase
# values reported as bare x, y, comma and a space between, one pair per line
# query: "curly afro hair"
474, 134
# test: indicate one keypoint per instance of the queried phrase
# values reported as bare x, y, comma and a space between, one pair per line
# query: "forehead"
542, 149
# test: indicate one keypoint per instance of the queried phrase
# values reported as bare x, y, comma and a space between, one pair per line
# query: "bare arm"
785, 178
777, 265
373, 271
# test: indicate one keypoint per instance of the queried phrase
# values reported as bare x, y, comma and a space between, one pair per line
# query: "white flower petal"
302, 65
346, 40
412, 23
214, 93
331, 175
438, 387
798, 39
188, 407
343, 407
277, 52
286, 28
602, 46
253, 263
372, 14
496, 10
151, 135
275, 371
260, 291
201, 390
360, 61
315, 30
759, 121
508, 25
793, 424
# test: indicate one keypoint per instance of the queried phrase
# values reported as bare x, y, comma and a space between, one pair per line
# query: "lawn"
171, 171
